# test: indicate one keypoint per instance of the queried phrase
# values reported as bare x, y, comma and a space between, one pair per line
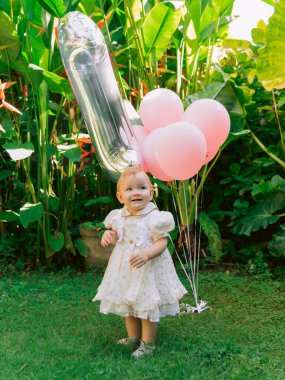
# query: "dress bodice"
142, 229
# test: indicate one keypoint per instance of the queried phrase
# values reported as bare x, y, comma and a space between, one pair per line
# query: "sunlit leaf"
159, 26
270, 66
213, 17
58, 84
72, 152
21, 64
29, 7
8, 38
55, 83
54, 7
19, 151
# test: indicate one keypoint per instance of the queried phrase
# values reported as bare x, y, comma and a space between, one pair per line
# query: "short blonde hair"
132, 171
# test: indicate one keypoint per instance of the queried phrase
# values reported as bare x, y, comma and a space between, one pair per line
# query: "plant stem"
278, 120
270, 154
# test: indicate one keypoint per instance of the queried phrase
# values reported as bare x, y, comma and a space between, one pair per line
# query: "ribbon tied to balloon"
168, 142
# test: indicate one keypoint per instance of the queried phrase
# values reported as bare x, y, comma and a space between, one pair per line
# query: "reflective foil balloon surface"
86, 59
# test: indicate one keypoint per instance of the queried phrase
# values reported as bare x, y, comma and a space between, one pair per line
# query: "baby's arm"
109, 237
138, 259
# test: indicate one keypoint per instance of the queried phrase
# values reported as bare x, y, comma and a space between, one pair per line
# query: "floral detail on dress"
149, 292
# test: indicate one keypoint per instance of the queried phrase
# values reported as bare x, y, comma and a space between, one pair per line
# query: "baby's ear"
119, 197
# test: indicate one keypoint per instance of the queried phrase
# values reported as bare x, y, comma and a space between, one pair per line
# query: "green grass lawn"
50, 329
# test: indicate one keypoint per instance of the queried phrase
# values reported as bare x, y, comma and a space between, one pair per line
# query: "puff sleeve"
111, 221
161, 224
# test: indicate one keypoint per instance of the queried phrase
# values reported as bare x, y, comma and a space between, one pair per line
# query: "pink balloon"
210, 156
139, 132
149, 158
213, 120
159, 108
181, 150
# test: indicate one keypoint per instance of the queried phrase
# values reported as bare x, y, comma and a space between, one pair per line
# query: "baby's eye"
129, 189
143, 187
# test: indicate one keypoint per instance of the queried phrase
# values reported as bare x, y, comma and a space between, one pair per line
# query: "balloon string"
182, 266
199, 239
188, 275
175, 186
196, 252
188, 240
179, 227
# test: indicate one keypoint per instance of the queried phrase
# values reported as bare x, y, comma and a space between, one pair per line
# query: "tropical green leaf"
270, 2
270, 66
10, 45
31, 213
8, 6
53, 202
29, 9
258, 34
68, 243
58, 84
82, 247
159, 26
276, 183
277, 244
38, 48
21, 64
55, 7
5, 174
55, 83
260, 215
211, 230
19, 151
213, 17
56, 241
72, 152
9, 216
100, 200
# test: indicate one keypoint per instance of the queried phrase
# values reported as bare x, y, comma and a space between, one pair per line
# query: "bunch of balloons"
171, 144
175, 144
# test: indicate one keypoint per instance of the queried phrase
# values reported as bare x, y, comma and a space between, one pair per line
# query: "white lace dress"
149, 292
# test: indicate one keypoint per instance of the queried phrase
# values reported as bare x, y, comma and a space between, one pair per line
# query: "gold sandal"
144, 350
130, 341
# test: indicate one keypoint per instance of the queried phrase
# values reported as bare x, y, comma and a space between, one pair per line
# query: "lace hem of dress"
127, 311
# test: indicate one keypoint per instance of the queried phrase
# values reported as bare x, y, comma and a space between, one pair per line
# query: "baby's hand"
109, 237
138, 259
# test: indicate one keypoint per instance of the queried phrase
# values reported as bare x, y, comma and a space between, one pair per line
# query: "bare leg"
149, 331
134, 327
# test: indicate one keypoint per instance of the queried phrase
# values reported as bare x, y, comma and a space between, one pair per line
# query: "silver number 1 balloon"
86, 60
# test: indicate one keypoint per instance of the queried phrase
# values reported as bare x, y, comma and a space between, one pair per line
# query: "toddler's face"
135, 192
